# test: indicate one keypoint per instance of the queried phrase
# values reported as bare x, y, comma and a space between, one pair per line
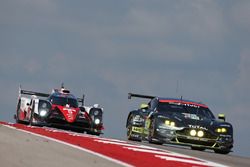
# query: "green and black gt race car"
178, 121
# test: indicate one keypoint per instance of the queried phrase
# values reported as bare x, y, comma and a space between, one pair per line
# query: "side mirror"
144, 106
222, 117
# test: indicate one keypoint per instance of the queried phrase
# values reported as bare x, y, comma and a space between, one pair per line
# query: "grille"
208, 139
207, 134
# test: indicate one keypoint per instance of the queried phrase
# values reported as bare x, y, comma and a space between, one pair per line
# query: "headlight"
138, 118
192, 132
200, 133
170, 123
97, 121
43, 113
221, 130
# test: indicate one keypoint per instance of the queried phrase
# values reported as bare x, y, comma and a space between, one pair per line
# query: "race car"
181, 122
59, 109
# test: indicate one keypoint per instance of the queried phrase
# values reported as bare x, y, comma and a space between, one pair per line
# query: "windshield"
62, 101
188, 111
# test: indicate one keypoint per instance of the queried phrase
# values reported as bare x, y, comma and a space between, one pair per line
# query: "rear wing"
28, 92
130, 95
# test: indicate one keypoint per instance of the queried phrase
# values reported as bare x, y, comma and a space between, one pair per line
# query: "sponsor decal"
197, 127
137, 129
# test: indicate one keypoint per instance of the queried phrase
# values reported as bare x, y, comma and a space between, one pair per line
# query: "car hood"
204, 123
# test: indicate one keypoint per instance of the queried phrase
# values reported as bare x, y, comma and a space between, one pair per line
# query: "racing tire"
17, 116
129, 134
222, 151
129, 131
151, 133
31, 119
18, 113
197, 148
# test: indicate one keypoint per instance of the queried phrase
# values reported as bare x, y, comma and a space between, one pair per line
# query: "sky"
198, 49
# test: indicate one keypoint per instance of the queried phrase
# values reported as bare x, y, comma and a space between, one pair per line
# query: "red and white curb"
117, 151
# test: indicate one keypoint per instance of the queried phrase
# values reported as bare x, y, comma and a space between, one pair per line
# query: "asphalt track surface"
23, 149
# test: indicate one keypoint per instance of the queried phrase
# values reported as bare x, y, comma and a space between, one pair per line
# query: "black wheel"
222, 151
130, 132
18, 113
31, 118
197, 148
152, 132
31, 121
17, 116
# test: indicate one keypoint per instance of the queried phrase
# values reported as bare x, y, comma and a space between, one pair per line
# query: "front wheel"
151, 133
17, 117
31, 121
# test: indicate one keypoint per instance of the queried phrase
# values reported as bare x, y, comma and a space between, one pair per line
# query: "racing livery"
178, 121
60, 109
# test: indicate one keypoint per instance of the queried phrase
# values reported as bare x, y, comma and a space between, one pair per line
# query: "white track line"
74, 146
157, 151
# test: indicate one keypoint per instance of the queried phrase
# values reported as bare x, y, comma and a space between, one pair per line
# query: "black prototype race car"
178, 121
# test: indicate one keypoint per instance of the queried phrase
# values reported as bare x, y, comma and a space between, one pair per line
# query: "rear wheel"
18, 116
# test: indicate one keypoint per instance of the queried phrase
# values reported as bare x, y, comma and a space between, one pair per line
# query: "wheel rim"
129, 131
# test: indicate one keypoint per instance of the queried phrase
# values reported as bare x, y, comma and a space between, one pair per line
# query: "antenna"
62, 85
